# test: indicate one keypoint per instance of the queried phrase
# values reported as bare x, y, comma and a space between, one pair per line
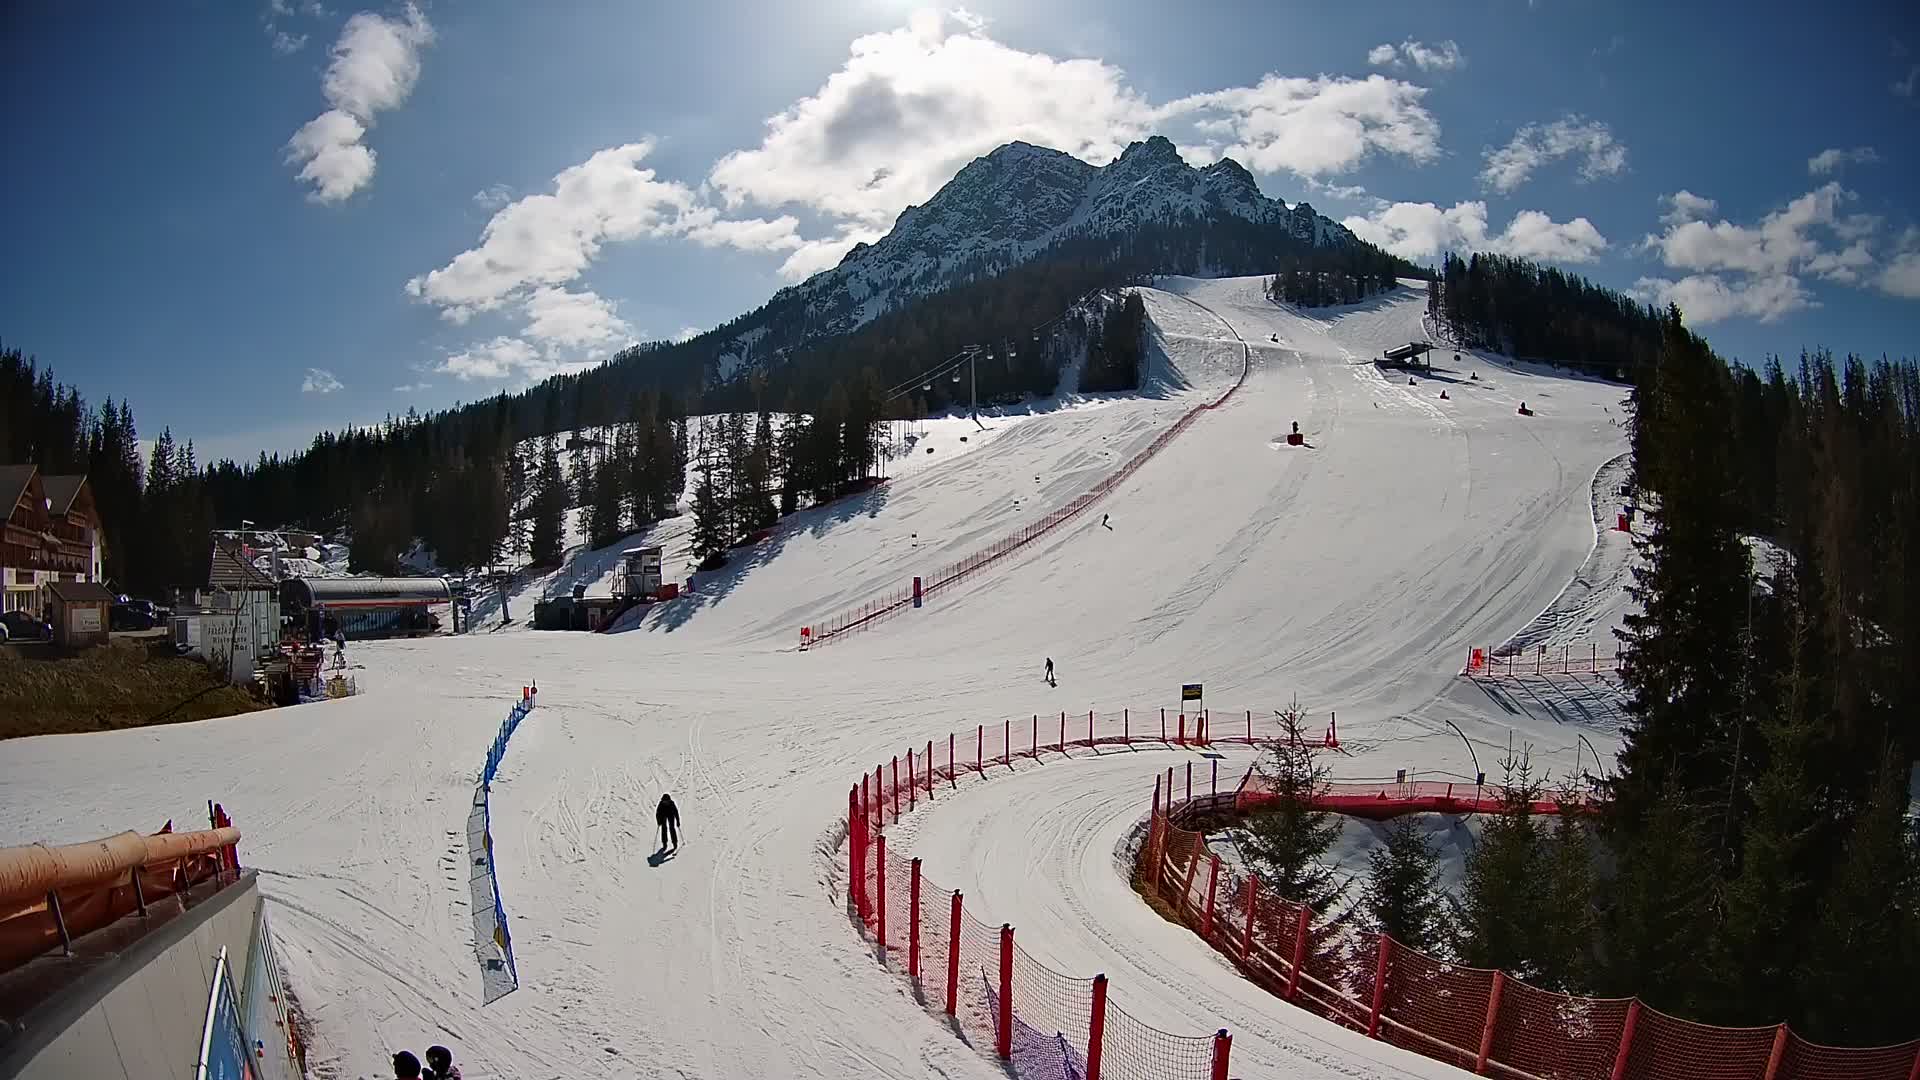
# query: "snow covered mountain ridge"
1022, 203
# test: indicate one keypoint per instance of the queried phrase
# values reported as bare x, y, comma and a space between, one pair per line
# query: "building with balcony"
51, 533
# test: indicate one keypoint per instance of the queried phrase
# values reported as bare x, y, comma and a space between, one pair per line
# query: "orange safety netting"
1472, 1018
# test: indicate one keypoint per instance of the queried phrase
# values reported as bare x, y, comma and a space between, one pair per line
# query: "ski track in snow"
1353, 573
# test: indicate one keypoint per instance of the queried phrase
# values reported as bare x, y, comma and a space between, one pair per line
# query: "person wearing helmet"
440, 1064
668, 818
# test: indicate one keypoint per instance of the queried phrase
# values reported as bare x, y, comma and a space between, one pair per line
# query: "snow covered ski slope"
1352, 572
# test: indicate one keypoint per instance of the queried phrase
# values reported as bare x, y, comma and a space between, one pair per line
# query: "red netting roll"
1433, 1007
1811, 1061
1669, 1048
1132, 1050
1557, 1036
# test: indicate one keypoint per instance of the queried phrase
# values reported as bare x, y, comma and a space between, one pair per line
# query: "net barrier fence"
868, 613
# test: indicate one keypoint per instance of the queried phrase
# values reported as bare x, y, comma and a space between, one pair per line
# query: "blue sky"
258, 220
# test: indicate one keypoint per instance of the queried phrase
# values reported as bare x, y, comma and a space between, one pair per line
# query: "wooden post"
913, 921
1089, 729
953, 954
1213, 889
1301, 928
1249, 727
929, 770
953, 774
1213, 787
1034, 750
1163, 725
1097, 1029
1126, 727
1189, 779
1379, 987
896, 789
1006, 992
913, 786
979, 747
1626, 1042
1493, 1018
1779, 1051
1006, 741
880, 878
1222, 1050
1063, 731
1186, 889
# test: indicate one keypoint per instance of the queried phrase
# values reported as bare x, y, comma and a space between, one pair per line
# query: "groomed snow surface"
1352, 573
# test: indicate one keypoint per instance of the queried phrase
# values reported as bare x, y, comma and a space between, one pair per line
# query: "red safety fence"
1484, 663
1473, 1018
865, 615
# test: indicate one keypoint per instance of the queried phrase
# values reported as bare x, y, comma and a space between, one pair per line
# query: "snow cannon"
1524, 411
1294, 438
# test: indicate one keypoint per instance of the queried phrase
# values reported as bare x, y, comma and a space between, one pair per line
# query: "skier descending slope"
668, 818
1048, 677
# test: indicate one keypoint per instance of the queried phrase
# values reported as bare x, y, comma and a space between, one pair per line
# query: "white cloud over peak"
374, 66
908, 109
911, 106
1425, 230
688, 333
320, 381
493, 196
1440, 56
1827, 161
287, 44
1537, 145
1756, 270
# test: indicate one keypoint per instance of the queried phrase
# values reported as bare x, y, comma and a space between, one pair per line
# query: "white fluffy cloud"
566, 321
287, 44
1441, 56
1827, 161
1709, 298
500, 358
1756, 270
493, 196
1537, 145
687, 333
1684, 206
911, 106
374, 66
320, 381
1424, 230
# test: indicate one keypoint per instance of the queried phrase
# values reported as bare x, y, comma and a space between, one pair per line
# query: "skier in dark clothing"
1103, 523
440, 1064
406, 1066
668, 818
1048, 677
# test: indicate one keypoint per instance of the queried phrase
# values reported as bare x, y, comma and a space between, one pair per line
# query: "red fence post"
929, 770
1626, 1042
1213, 889
1779, 1051
953, 954
913, 922
1189, 780
896, 788
912, 785
879, 805
1180, 732
1249, 727
854, 881
953, 774
1097, 1028
1089, 729
1222, 1050
1379, 987
1006, 992
1163, 725
1914, 1075
1063, 731
1126, 727
1006, 741
880, 876
1301, 928
1035, 748
979, 747
1493, 1017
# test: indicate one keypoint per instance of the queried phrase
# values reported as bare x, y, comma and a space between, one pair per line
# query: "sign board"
1190, 691
84, 620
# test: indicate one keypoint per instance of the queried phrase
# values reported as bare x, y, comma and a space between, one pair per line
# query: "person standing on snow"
668, 818
1048, 677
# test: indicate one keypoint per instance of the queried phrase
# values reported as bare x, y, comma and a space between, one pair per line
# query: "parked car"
21, 626
130, 614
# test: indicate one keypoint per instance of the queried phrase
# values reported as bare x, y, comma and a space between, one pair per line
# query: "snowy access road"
1354, 573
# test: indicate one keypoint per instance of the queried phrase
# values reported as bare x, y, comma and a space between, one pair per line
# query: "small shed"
78, 610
